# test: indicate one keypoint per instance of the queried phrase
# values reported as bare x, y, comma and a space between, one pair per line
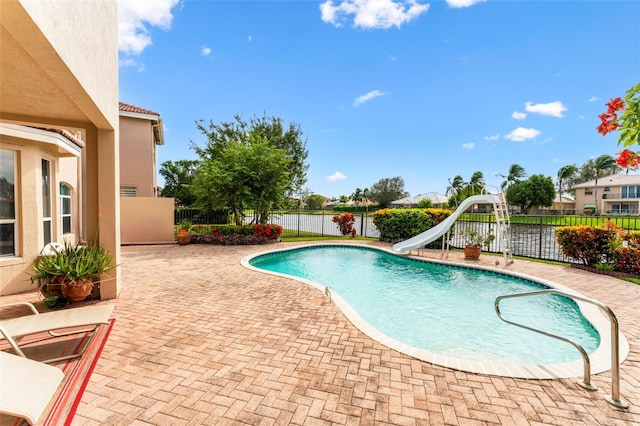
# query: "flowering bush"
235, 235
606, 247
472, 237
345, 223
628, 124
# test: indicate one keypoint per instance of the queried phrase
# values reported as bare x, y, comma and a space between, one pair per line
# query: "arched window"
65, 203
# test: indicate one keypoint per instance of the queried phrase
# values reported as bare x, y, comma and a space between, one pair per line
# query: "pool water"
444, 309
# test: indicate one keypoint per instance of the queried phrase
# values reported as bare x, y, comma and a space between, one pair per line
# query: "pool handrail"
614, 399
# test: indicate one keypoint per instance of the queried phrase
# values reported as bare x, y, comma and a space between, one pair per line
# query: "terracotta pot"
183, 237
76, 291
472, 252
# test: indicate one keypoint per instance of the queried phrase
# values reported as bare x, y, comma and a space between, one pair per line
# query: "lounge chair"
56, 323
27, 386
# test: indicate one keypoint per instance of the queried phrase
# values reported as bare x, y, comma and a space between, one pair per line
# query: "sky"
381, 88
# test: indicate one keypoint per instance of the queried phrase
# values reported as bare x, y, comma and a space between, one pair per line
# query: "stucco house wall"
615, 194
141, 132
59, 68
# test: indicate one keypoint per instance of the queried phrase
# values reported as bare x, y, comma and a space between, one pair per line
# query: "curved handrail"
615, 357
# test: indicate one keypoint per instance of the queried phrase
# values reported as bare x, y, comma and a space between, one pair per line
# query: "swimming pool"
439, 312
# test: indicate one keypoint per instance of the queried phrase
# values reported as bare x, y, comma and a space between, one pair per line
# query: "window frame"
15, 221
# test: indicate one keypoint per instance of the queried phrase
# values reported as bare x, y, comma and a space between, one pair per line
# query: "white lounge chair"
56, 323
27, 386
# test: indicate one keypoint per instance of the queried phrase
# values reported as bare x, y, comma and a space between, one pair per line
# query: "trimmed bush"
588, 245
400, 224
235, 235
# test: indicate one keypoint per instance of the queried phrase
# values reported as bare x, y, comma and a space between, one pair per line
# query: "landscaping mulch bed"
616, 274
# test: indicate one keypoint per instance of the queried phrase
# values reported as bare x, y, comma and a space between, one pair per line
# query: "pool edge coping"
600, 359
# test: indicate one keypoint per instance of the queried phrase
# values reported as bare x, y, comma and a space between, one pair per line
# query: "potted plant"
71, 271
184, 232
474, 241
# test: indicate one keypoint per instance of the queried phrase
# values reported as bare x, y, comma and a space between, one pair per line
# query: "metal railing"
614, 399
529, 236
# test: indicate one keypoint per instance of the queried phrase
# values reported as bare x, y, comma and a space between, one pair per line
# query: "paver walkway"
201, 340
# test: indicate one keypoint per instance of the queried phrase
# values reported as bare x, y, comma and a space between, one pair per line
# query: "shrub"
235, 235
345, 223
400, 224
588, 245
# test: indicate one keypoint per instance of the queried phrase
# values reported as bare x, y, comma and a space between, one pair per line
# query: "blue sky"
420, 90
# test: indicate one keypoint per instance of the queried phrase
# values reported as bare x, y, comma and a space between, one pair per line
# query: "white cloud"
522, 134
468, 146
366, 98
250, 38
372, 13
393, 58
336, 177
519, 115
547, 140
593, 99
492, 138
554, 109
134, 18
205, 51
463, 3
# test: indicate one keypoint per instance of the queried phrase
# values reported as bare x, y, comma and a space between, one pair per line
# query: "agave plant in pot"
474, 241
71, 271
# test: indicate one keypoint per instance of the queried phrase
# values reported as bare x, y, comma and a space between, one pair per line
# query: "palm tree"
476, 184
565, 172
515, 175
604, 163
365, 198
455, 187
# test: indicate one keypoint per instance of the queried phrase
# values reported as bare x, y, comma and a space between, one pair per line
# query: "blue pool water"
443, 309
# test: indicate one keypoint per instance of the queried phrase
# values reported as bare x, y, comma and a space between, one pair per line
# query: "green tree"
538, 190
269, 129
475, 185
245, 175
425, 203
565, 173
454, 190
605, 165
178, 179
516, 174
344, 199
315, 201
357, 196
387, 190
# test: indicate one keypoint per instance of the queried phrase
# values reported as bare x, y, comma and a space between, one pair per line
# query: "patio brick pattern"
201, 340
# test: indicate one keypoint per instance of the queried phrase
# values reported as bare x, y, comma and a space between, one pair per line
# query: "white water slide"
440, 229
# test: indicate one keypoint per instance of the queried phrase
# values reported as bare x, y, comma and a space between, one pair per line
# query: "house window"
128, 191
46, 201
65, 205
607, 189
588, 191
631, 191
8, 220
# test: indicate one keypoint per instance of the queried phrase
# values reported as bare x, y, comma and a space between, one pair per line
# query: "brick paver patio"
199, 339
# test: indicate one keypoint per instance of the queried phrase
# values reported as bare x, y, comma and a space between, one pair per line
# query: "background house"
144, 217
437, 201
59, 73
141, 132
615, 194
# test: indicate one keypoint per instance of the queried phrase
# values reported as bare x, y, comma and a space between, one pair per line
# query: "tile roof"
132, 108
66, 134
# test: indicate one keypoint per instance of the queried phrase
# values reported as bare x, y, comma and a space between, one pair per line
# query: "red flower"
627, 158
615, 105
606, 127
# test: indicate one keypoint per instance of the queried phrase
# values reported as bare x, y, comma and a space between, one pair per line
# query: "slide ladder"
501, 210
